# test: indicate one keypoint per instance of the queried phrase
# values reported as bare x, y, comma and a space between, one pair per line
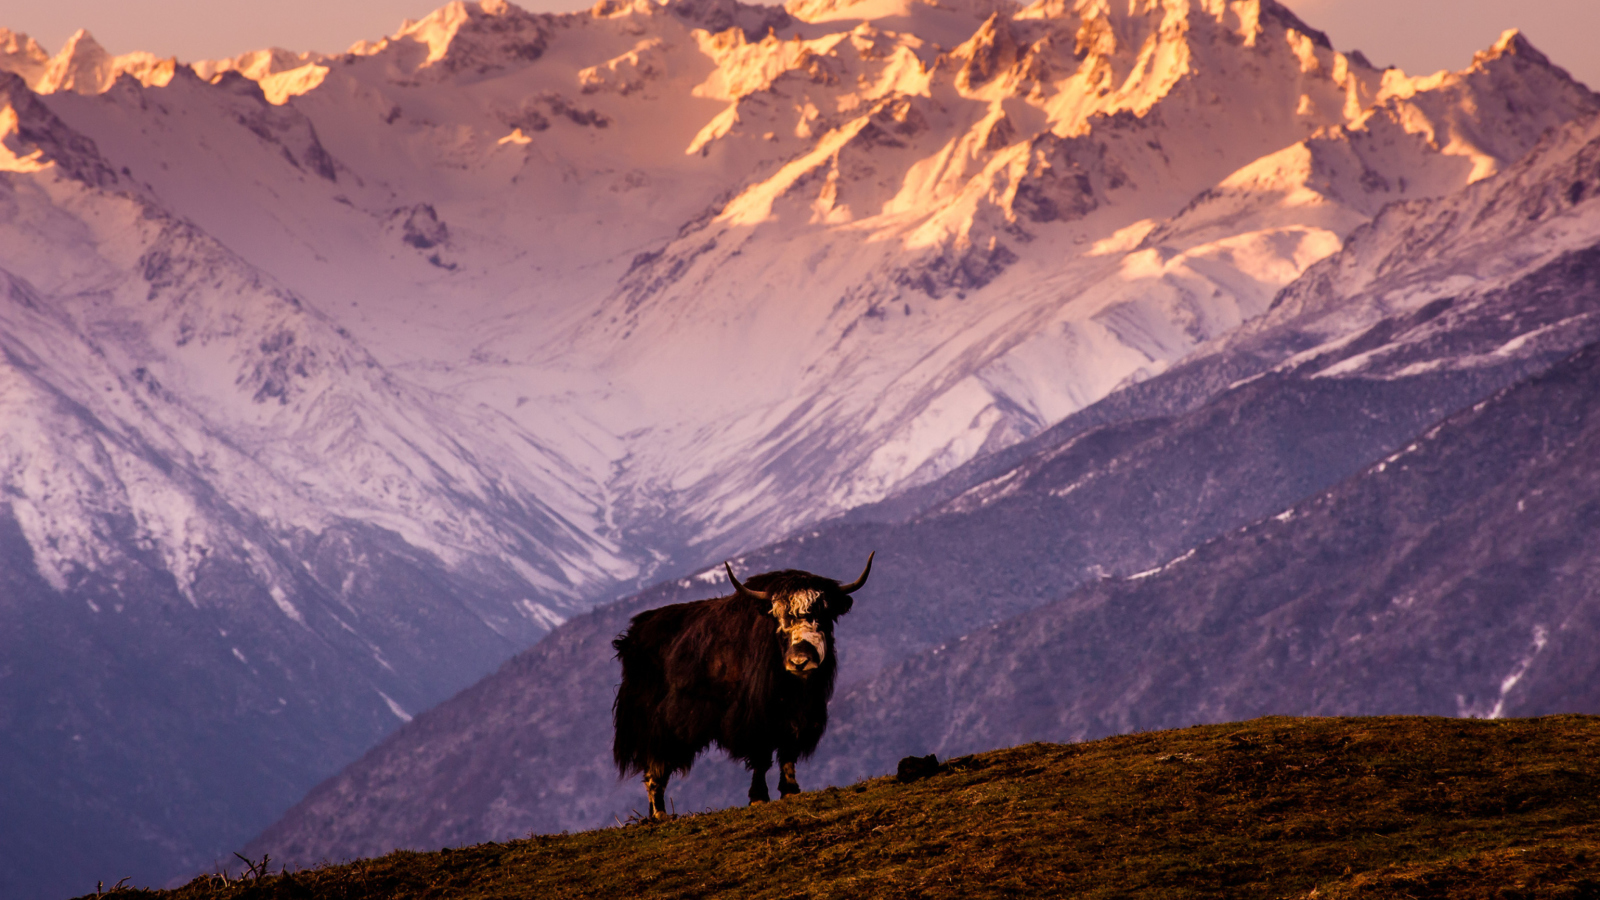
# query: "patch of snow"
1541, 637
538, 612
280, 598
397, 709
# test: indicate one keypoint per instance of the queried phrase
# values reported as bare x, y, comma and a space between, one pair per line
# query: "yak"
751, 672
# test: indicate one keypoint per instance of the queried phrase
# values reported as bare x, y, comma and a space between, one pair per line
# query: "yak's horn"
758, 595
856, 585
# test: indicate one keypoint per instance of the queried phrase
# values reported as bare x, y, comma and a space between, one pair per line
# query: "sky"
1420, 36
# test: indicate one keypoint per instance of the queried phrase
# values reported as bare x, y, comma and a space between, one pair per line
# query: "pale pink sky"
1420, 36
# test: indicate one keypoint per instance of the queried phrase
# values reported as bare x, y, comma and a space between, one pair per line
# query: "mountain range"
333, 382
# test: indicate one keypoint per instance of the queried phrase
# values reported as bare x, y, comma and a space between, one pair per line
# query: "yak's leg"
786, 783
758, 780
655, 784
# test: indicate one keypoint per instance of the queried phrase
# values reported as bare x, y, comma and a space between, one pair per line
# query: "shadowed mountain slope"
1458, 576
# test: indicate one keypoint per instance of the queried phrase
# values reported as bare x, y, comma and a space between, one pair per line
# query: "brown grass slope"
1274, 807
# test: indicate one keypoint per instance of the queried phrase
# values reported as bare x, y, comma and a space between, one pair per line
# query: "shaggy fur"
712, 671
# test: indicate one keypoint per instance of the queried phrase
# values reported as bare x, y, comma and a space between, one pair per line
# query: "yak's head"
803, 606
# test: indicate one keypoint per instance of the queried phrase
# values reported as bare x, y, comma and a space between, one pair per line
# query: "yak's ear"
839, 604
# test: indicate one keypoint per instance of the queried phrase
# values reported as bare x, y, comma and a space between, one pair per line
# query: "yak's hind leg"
655, 784
758, 779
786, 783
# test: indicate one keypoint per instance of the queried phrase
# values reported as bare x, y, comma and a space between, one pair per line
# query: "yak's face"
804, 607
805, 627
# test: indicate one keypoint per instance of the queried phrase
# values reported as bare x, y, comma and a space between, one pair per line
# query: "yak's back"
661, 654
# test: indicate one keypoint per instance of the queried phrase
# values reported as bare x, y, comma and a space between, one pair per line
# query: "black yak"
751, 672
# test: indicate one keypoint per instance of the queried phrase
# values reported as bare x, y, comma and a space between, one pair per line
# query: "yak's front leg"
655, 784
786, 783
758, 779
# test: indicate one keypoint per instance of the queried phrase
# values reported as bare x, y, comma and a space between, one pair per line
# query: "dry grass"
1276, 807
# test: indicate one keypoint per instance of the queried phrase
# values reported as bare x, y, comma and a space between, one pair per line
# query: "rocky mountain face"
1061, 595
332, 382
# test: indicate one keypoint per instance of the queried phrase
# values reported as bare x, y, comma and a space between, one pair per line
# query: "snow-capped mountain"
1290, 522
82, 65
223, 517
357, 373
577, 210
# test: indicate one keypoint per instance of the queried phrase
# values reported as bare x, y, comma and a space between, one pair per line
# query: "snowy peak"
464, 38
82, 66
1511, 43
991, 50
256, 64
22, 55
1132, 56
1489, 113
1283, 17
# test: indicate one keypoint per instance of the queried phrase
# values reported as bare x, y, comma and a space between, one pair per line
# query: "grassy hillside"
1275, 807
